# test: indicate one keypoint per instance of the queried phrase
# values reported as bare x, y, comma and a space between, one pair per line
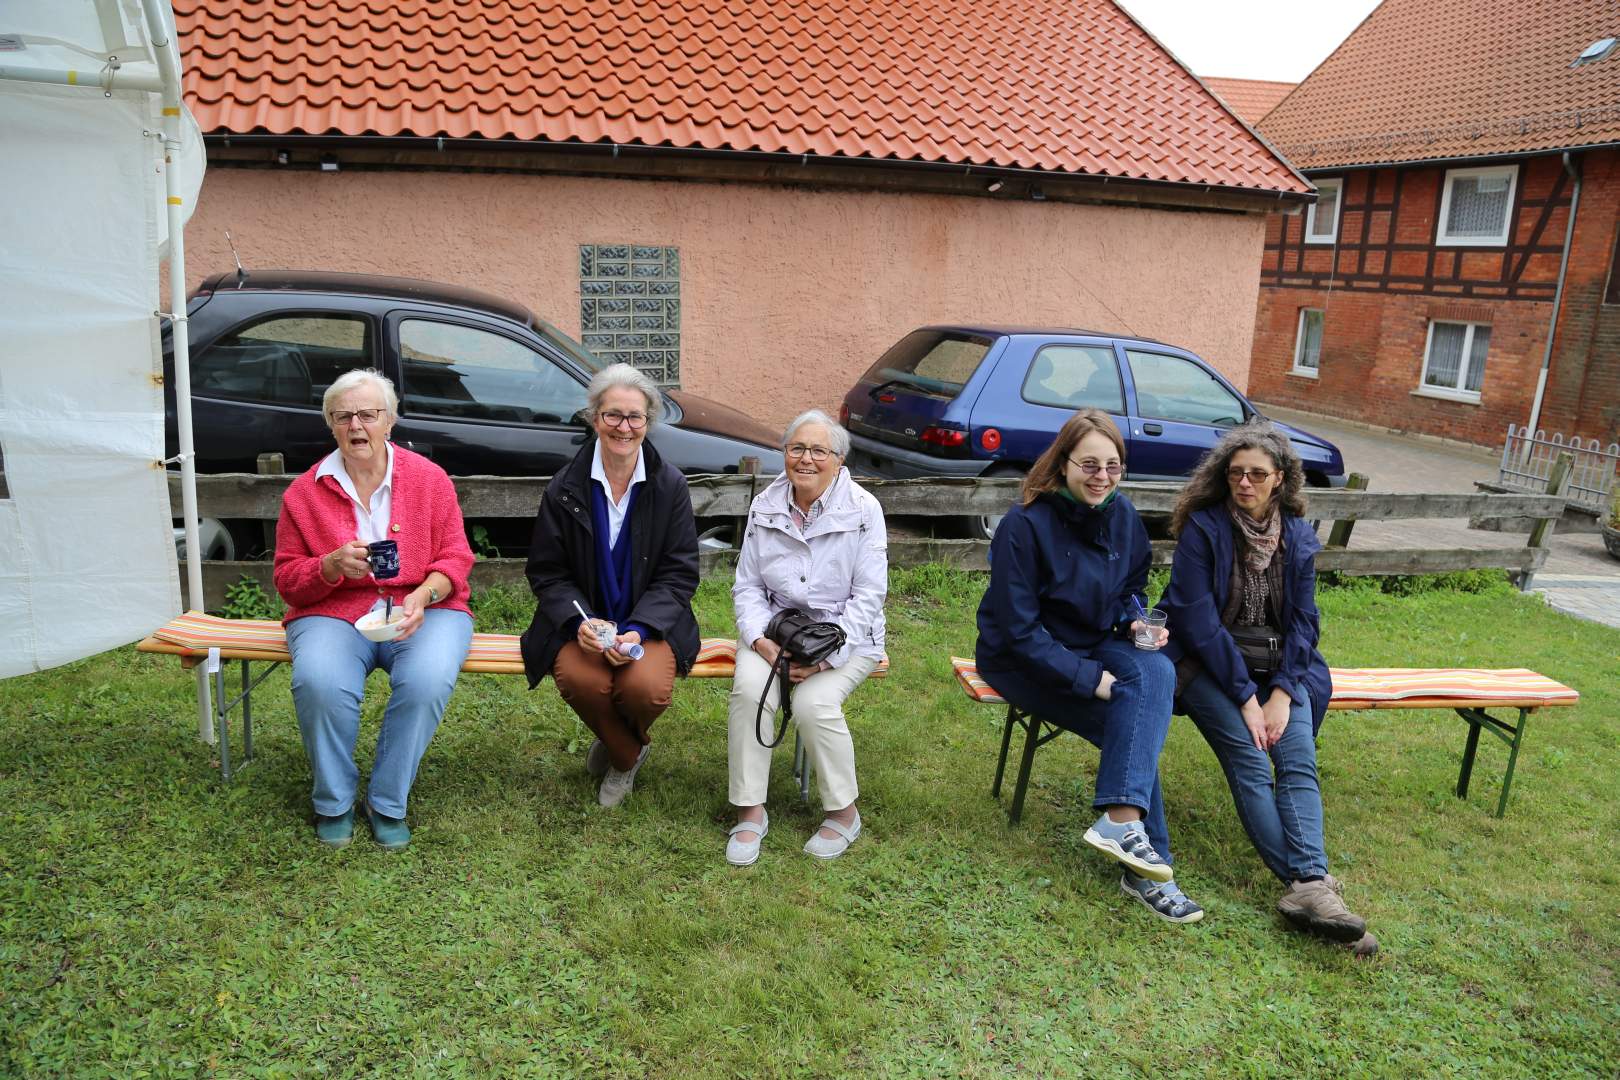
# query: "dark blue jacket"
1201, 581
1062, 575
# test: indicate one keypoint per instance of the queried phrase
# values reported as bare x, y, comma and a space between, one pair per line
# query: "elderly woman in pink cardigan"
365, 492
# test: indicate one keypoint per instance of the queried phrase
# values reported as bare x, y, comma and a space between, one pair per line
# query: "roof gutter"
1454, 161
1558, 296
440, 144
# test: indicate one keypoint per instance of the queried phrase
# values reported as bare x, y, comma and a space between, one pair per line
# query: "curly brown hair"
1047, 472
1208, 486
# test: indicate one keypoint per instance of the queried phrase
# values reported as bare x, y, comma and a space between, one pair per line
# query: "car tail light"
990, 439
943, 437
843, 414
887, 397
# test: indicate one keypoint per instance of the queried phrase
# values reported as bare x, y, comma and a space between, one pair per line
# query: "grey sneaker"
596, 759
1127, 842
1316, 906
1164, 899
616, 785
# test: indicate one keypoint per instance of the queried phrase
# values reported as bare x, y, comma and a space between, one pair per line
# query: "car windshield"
934, 362
580, 354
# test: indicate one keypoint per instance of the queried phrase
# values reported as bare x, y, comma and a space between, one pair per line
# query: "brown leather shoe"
1316, 906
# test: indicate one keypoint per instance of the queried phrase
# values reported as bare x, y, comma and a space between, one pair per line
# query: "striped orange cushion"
967, 673
1352, 686
1385, 687
196, 633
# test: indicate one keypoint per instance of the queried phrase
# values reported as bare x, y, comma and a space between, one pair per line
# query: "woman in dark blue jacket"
1067, 568
1245, 571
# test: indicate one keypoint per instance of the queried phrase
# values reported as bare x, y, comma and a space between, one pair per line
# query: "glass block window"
1308, 344
1477, 206
1454, 362
630, 307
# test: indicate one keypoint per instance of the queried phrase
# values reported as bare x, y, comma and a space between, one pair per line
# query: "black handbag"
803, 641
1261, 647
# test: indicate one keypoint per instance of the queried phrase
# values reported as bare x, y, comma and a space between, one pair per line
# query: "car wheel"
213, 537
983, 526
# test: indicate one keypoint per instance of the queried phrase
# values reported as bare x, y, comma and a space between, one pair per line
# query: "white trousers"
818, 710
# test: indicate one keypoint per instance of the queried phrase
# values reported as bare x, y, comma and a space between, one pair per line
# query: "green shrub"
248, 600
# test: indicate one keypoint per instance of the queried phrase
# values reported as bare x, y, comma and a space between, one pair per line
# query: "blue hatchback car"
987, 400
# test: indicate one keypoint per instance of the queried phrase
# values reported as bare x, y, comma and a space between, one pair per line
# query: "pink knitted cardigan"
317, 518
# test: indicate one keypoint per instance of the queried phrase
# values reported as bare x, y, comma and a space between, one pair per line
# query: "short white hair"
353, 380
835, 431
622, 375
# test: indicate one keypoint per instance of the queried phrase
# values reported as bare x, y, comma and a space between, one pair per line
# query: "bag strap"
779, 670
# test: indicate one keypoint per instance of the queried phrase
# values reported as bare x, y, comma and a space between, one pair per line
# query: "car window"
472, 374
287, 360
1175, 388
931, 362
1075, 377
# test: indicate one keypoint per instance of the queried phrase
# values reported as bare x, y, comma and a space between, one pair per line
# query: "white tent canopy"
100, 163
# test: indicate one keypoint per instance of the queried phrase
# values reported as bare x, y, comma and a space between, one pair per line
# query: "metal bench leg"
1006, 742
1469, 750
1026, 763
1513, 759
247, 716
222, 716
801, 766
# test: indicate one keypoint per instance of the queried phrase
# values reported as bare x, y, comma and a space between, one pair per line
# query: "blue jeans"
1129, 728
1277, 795
330, 662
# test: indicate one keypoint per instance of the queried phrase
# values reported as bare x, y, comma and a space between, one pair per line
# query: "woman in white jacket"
815, 541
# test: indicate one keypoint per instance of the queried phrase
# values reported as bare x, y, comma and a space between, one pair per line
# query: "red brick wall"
1374, 337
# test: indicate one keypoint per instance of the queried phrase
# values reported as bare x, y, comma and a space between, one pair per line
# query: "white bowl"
372, 626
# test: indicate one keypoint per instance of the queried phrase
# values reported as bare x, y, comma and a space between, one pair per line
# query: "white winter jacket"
838, 570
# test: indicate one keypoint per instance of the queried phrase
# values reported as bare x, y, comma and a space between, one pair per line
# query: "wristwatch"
433, 595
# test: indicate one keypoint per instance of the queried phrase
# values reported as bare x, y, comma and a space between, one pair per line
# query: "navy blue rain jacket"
1062, 575
1201, 581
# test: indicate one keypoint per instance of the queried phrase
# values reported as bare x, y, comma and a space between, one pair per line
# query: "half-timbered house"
1457, 272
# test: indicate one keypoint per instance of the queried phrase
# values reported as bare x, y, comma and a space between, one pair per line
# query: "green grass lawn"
155, 923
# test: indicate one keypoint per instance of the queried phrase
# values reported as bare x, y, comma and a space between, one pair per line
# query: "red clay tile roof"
1428, 79
1071, 86
1250, 98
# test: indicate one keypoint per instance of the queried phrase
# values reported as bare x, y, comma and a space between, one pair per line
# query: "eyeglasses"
1092, 468
613, 418
366, 416
816, 453
1254, 476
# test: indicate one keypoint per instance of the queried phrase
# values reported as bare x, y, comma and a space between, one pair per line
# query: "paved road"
1579, 578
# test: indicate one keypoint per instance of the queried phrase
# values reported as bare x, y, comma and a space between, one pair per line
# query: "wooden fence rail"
258, 497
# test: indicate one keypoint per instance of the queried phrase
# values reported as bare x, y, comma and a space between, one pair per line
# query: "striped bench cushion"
1386, 688
194, 633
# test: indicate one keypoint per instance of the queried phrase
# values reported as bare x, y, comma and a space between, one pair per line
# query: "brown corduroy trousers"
619, 704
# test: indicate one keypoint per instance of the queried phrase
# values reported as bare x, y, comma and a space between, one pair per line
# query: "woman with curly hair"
1244, 630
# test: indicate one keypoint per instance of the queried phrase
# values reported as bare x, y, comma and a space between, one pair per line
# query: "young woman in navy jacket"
1246, 559
1067, 568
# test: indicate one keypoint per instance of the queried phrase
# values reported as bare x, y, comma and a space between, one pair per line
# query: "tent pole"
169, 68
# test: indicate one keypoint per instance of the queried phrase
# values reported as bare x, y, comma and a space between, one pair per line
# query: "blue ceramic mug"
384, 559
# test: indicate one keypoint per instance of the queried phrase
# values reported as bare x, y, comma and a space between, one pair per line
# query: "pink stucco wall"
787, 293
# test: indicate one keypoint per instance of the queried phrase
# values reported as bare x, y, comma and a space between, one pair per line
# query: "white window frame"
1332, 236
1442, 238
1299, 344
1451, 393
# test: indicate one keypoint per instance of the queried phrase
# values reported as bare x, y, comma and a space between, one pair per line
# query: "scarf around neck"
1259, 537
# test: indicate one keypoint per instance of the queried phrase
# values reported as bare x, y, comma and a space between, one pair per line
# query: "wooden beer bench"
197, 638
1471, 692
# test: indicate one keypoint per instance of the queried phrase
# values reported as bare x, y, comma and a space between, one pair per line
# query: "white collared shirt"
616, 510
370, 522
